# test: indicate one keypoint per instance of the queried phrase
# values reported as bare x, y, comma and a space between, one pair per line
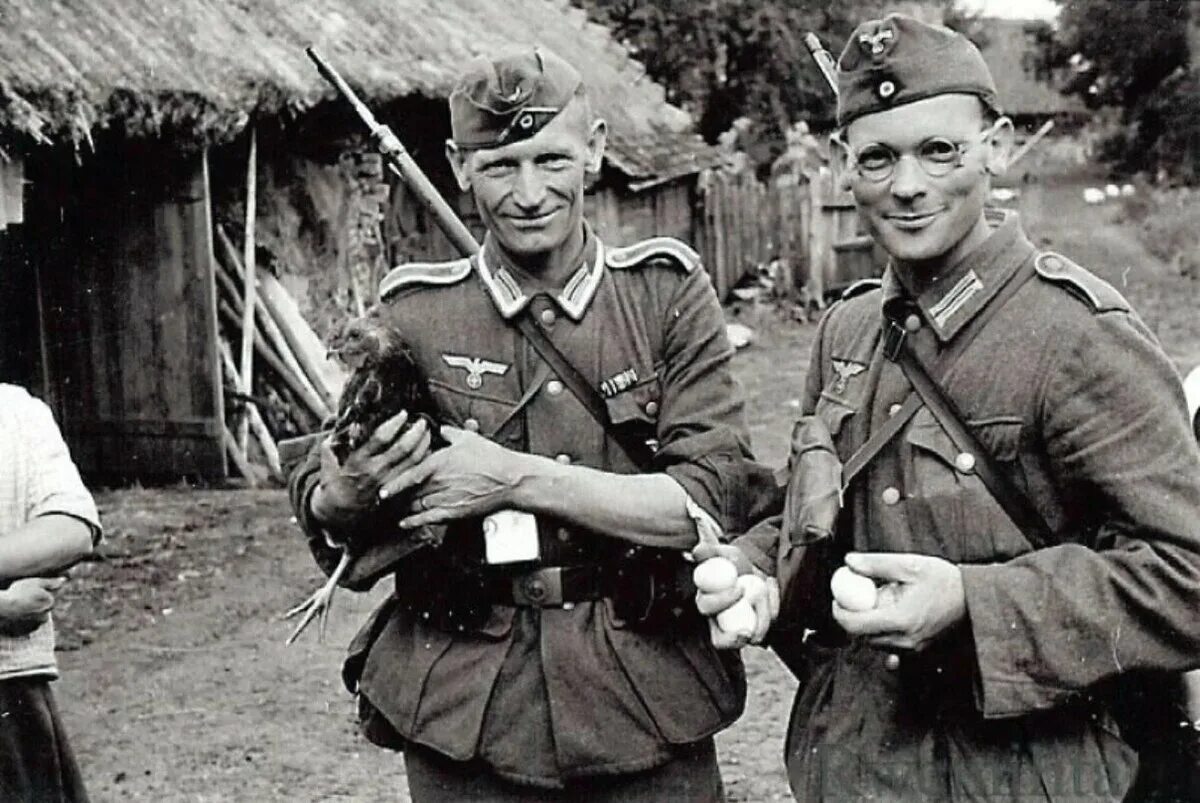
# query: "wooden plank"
314, 404
206, 324
194, 428
249, 286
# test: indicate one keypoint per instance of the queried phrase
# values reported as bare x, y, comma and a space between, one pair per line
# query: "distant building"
125, 126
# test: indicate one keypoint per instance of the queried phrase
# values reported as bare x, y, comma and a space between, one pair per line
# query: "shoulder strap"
893, 347
582, 389
1015, 502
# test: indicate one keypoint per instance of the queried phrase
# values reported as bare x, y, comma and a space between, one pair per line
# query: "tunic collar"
952, 300
501, 279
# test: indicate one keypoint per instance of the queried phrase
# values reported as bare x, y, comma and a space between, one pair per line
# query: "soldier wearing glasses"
978, 673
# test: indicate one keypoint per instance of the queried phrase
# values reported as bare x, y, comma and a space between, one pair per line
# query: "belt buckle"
540, 588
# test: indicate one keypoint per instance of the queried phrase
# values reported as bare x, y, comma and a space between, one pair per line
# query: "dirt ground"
177, 686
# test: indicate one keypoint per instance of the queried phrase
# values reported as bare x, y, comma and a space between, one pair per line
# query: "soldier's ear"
458, 165
596, 142
839, 161
999, 147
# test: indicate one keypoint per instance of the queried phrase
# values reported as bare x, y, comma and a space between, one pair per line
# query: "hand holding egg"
719, 574
853, 591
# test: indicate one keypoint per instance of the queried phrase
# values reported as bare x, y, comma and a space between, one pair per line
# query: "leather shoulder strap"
893, 338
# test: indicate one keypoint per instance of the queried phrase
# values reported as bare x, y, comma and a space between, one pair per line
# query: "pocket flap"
833, 412
926, 434
638, 403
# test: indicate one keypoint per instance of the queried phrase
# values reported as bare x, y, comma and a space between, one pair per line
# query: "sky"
1013, 9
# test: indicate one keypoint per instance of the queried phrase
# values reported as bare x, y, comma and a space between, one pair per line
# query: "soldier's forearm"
648, 509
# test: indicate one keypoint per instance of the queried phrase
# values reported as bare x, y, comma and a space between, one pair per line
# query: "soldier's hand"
371, 472
473, 476
920, 599
27, 603
764, 601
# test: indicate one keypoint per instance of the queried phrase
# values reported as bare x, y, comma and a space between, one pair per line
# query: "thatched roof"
203, 68
1008, 51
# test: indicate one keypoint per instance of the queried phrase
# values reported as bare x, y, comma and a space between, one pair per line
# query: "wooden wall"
622, 217
809, 228
124, 251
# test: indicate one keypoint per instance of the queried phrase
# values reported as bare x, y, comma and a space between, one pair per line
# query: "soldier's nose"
530, 191
908, 180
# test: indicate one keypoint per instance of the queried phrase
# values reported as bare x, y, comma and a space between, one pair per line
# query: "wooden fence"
808, 230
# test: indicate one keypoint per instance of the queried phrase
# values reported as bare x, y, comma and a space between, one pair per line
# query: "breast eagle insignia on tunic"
475, 367
845, 370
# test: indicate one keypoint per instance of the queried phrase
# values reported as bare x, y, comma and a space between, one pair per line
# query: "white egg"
738, 619
751, 585
715, 574
853, 591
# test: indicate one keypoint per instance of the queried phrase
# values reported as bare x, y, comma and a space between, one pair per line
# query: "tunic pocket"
634, 412
638, 404
947, 498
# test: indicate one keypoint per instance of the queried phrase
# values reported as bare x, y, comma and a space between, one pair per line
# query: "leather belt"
551, 586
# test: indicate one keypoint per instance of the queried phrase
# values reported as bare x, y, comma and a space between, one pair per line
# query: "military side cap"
498, 101
898, 60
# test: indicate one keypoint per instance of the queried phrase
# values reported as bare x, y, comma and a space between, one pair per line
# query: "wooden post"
315, 406
266, 322
211, 316
248, 283
257, 425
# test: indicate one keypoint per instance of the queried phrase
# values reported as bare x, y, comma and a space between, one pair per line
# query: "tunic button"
965, 462
565, 459
554, 387
471, 425
564, 534
895, 408
652, 408
548, 317
892, 662
890, 496
912, 323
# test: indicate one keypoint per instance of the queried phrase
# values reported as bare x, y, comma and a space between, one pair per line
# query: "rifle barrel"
401, 162
824, 60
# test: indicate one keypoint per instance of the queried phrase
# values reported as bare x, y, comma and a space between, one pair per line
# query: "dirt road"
176, 683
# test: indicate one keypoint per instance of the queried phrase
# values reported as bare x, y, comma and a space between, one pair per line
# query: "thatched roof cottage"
124, 131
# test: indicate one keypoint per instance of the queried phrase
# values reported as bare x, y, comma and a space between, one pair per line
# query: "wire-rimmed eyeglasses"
937, 156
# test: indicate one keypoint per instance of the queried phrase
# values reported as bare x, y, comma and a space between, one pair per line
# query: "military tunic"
1075, 399
547, 694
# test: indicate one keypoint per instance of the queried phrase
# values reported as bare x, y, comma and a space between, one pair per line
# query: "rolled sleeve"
1123, 592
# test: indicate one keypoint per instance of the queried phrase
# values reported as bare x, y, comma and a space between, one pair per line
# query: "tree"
1135, 57
726, 59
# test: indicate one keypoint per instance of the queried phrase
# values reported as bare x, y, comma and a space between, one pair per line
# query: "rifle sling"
581, 388
926, 390
1015, 502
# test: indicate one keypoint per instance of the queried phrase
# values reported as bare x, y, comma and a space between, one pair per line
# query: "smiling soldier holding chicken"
545, 646
1022, 489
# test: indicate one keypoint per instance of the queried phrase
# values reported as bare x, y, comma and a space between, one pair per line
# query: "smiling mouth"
912, 220
532, 221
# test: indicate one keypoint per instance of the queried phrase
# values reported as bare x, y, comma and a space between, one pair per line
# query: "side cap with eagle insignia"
415, 273
896, 60
634, 255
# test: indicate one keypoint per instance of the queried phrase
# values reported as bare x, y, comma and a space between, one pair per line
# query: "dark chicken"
385, 379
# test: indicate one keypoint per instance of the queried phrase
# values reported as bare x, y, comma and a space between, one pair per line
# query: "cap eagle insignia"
876, 43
